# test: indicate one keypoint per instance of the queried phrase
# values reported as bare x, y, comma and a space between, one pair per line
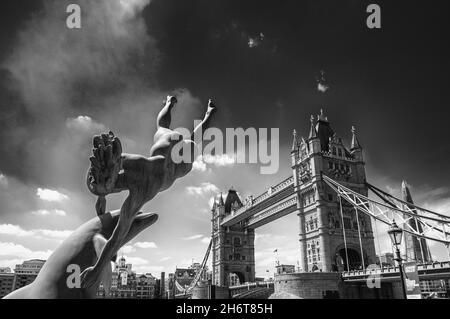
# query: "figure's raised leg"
205, 123
129, 210
164, 116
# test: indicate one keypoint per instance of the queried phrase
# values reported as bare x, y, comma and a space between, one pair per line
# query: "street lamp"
396, 234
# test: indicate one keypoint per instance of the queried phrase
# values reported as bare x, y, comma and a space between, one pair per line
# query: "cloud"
131, 248
322, 87
19, 251
46, 212
206, 240
17, 231
204, 188
203, 239
49, 195
199, 165
3, 181
145, 245
255, 41
220, 160
127, 249
84, 124
193, 237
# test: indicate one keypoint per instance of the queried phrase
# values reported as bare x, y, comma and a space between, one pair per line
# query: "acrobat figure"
144, 177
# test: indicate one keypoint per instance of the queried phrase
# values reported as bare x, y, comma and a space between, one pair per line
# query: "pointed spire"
294, 141
221, 202
406, 194
355, 142
312, 131
214, 206
322, 116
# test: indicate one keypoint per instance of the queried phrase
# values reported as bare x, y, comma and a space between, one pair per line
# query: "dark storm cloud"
390, 83
105, 70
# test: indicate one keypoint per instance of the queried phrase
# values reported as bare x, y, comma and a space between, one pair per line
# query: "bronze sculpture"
98, 241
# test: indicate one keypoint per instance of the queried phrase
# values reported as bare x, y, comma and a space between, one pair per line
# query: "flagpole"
278, 259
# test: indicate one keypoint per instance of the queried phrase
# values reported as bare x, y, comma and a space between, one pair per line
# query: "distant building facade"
285, 269
24, 274
126, 284
386, 260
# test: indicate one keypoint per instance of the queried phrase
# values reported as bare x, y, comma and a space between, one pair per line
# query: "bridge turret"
321, 240
233, 245
314, 140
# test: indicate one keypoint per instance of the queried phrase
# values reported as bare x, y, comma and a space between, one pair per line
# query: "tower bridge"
306, 194
328, 191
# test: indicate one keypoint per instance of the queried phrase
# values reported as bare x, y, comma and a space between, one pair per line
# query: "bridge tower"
322, 245
233, 249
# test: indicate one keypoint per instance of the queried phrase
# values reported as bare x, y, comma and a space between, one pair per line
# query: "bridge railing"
394, 269
273, 190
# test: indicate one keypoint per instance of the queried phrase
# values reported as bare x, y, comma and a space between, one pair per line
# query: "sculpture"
111, 171
81, 248
143, 177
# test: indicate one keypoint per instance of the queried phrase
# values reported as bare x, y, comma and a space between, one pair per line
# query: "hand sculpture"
80, 249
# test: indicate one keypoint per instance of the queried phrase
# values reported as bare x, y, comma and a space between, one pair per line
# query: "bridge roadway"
276, 202
430, 271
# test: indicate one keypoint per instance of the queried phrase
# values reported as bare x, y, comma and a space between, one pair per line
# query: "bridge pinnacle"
312, 131
295, 141
355, 142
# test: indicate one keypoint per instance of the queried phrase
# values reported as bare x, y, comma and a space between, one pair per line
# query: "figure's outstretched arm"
129, 209
164, 116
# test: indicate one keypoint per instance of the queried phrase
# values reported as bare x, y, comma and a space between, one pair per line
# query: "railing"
395, 269
267, 194
274, 210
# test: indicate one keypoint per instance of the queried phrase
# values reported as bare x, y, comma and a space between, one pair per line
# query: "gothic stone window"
313, 251
312, 223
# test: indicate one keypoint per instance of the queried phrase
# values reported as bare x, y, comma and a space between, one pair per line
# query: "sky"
266, 64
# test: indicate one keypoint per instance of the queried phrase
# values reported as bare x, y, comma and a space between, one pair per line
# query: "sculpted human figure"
143, 177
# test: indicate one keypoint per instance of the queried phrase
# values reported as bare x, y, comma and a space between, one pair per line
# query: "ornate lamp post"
396, 234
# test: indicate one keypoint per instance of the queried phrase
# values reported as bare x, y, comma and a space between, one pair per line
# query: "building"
322, 221
233, 250
415, 249
24, 274
333, 235
162, 286
145, 287
27, 272
6, 283
386, 259
29, 267
170, 286
5, 270
126, 284
184, 276
285, 269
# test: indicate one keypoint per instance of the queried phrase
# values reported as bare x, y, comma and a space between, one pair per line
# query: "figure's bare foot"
211, 108
171, 100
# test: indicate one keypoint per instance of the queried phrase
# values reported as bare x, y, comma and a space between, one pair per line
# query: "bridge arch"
354, 258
